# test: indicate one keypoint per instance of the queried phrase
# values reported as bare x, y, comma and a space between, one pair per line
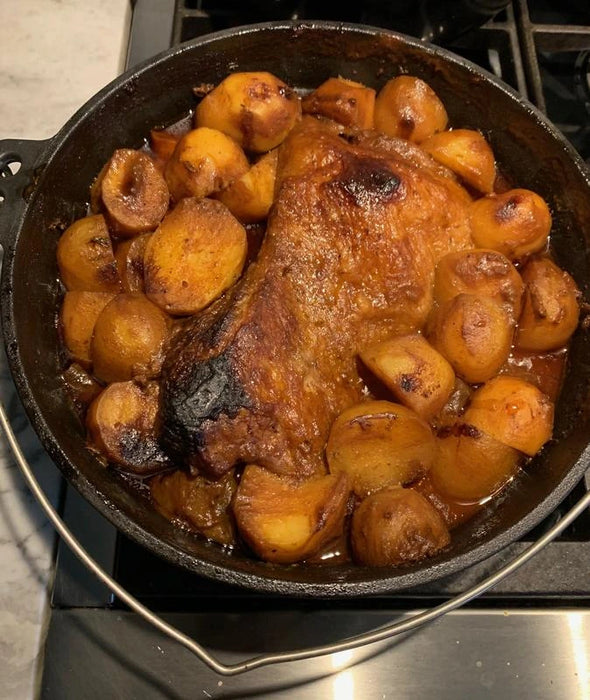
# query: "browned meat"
348, 260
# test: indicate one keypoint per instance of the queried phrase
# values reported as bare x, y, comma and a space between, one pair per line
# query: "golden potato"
203, 162
129, 259
129, 339
123, 426
515, 223
467, 154
408, 108
482, 272
85, 257
470, 465
396, 525
250, 197
201, 504
551, 307
514, 412
379, 444
475, 335
78, 314
134, 192
198, 252
163, 143
418, 376
285, 521
345, 101
255, 108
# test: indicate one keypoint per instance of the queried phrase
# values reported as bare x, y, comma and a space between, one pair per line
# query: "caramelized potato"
379, 444
203, 162
394, 526
163, 143
134, 192
256, 109
85, 257
129, 339
129, 258
467, 154
406, 107
201, 504
512, 411
344, 101
482, 272
285, 521
198, 252
418, 376
78, 315
551, 309
81, 387
123, 426
250, 197
470, 465
515, 223
475, 334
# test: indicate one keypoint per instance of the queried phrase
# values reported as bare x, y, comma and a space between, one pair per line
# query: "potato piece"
514, 412
203, 505
408, 108
285, 521
255, 108
85, 257
475, 334
344, 101
551, 307
78, 314
197, 253
482, 272
163, 143
80, 385
379, 444
418, 376
130, 336
467, 154
515, 223
204, 161
129, 258
470, 465
134, 192
250, 197
394, 526
123, 426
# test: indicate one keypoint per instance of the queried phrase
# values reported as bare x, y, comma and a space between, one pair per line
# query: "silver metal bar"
385, 632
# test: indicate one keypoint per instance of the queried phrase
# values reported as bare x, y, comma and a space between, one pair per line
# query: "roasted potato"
475, 335
163, 143
551, 307
123, 426
85, 257
514, 412
467, 154
417, 375
345, 101
203, 162
470, 465
81, 386
256, 109
78, 314
379, 444
394, 526
129, 259
482, 272
515, 223
198, 252
284, 521
406, 107
129, 339
133, 192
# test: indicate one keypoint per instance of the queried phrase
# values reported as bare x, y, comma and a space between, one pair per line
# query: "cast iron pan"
51, 190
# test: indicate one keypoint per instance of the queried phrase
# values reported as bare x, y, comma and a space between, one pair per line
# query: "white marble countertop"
55, 55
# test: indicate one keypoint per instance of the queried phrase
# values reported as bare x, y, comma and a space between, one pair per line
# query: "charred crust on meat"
366, 181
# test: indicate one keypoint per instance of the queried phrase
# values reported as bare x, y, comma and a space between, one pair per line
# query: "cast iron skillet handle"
19, 167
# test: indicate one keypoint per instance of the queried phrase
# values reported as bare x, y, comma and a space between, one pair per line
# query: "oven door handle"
382, 633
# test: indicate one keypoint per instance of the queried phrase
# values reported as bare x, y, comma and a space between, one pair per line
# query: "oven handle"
385, 632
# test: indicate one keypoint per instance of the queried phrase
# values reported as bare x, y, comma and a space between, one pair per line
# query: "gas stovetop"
529, 635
